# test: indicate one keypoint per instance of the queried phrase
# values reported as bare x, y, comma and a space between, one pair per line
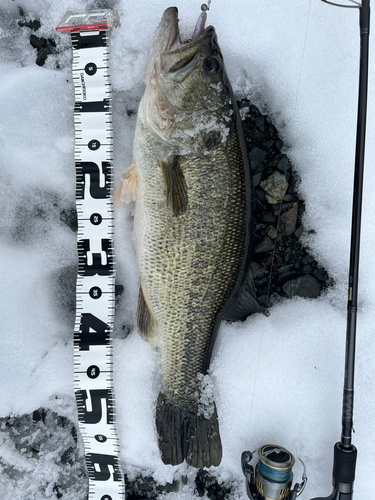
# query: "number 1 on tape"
93, 349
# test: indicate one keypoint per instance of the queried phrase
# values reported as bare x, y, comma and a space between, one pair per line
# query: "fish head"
187, 102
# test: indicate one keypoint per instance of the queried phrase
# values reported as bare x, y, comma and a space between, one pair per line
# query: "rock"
257, 270
44, 48
287, 273
320, 274
275, 187
119, 290
268, 217
284, 164
267, 145
256, 179
259, 123
307, 259
272, 233
305, 286
256, 157
288, 221
261, 196
298, 232
266, 245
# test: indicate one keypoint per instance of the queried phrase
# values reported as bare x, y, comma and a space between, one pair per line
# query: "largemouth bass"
191, 181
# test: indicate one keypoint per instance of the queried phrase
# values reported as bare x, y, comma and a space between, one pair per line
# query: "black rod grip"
344, 462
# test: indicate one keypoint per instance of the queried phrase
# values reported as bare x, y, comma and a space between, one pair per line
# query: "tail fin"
183, 434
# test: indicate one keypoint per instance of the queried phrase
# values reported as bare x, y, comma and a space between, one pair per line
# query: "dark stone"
305, 286
257, 270
268, 217
320, 274
260, 195
44, 47
307, 259
256, 179
283, 164
266, 245
263, 299
67, 457
287, 273
57, 491
33, 24
42, 55
256, 157
298, 232
288, 257
259, 123
39, 415
267, 145
37, 42
260, 228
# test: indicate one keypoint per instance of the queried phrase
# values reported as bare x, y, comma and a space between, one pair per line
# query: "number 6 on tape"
93, 350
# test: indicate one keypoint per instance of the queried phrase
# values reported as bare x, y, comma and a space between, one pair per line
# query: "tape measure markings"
95, 299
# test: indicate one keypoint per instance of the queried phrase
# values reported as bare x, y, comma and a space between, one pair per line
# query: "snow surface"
276, 379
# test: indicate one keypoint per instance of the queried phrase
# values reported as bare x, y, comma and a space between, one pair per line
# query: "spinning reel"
271, 477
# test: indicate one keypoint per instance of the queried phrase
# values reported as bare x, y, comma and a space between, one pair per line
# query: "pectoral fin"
175, 183
145, 320
128, 187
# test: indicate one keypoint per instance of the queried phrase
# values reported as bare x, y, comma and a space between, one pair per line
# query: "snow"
276, 379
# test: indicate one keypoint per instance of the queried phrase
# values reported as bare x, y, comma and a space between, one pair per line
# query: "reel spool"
272, 477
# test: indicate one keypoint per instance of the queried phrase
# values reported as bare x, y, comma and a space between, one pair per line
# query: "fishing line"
287, 163
279, 217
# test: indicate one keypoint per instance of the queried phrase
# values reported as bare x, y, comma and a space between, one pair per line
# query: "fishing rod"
271, 477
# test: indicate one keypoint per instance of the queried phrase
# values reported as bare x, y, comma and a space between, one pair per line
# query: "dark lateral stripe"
89, 41
93, 106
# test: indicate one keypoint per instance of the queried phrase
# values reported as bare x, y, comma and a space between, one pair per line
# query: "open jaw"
200, 32
180, 56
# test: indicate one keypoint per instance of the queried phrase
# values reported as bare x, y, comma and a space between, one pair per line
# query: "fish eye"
211, 65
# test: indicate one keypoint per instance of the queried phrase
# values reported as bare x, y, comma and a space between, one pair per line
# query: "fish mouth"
180, 57
175, 42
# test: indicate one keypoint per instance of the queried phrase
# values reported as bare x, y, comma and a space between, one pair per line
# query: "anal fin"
175, 183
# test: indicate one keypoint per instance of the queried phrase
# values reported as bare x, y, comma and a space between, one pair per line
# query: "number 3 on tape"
93, 350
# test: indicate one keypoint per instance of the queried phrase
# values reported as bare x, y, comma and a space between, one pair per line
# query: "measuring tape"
93, 348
